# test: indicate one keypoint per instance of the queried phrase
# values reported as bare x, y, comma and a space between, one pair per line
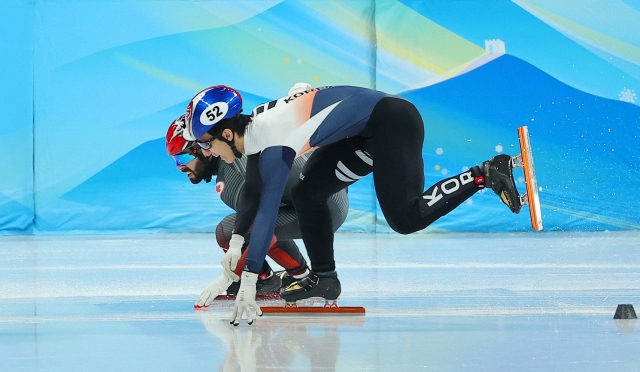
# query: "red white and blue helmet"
208, 107
176, 143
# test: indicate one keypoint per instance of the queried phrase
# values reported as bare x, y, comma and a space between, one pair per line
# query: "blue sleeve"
250, 198
275, 166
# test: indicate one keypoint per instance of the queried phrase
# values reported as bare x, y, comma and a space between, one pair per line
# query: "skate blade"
525, 160
312, 301
306, 306
260, 296
228, 299
312, 310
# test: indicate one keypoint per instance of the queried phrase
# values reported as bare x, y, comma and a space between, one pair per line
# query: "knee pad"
222, 238
224, 231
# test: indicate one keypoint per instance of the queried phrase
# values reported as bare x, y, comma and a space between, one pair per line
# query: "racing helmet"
176, 143
181, 150
208, 108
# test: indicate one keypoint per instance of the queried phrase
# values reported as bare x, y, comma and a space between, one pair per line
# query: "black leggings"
390, 146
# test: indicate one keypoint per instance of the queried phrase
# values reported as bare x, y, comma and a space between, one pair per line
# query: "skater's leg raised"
397, 137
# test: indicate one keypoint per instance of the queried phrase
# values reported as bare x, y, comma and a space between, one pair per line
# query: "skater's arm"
275, 166
250, 197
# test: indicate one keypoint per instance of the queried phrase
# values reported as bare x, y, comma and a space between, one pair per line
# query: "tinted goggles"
183, 159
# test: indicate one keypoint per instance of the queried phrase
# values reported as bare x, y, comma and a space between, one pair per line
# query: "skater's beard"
201, 169
194, 172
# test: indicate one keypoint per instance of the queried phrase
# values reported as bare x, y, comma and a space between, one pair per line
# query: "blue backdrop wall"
90, 88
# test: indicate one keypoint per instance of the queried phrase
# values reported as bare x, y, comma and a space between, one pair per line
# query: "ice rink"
435, 302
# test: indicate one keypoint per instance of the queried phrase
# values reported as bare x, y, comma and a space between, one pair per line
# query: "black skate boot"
498, 175
285, 278
266, 288
268, 285
314, 285
233, 289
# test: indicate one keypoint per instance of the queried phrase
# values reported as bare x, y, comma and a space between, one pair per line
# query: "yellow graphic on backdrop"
403, 32
595, 38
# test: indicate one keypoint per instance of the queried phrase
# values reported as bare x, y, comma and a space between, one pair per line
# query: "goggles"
183, 159
206, 144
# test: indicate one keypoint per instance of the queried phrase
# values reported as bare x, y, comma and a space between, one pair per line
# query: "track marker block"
625, 311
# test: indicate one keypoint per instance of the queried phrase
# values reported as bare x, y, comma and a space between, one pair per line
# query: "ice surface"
438, 302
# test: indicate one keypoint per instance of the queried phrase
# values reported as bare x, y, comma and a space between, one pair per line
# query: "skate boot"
266, 288
233, 289
498, 175
314, 285
268, 285
286, 279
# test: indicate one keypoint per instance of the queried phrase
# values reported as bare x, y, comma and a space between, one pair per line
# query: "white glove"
216, 287
246, 299
299, 87
230, 259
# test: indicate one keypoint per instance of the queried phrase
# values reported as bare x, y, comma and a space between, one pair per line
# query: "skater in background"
230, 183
355, 131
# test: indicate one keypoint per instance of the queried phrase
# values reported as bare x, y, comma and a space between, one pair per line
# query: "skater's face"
194, 169
218, 148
